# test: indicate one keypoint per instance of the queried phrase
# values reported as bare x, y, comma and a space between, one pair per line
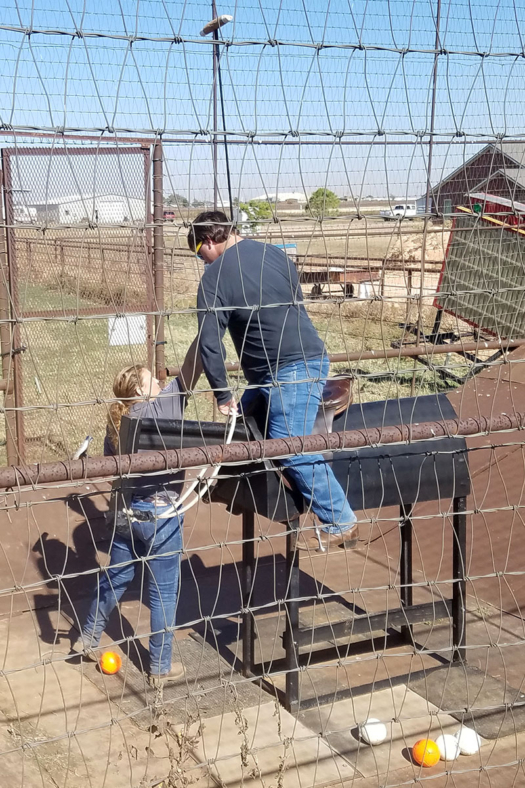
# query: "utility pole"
437, 48
213, 27
215, 73
428, 199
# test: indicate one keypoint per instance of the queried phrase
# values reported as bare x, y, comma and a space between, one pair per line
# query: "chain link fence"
79, 244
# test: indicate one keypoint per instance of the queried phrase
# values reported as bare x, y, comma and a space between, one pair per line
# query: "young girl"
154, 542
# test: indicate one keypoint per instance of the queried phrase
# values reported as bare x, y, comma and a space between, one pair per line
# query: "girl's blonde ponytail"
125, 387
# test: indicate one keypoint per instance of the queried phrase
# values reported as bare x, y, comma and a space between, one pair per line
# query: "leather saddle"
337, 396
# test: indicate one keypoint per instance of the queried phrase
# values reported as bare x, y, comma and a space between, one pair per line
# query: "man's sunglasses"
198, 249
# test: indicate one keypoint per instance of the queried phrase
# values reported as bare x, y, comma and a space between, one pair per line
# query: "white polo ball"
469, 741
448, 747
373, 731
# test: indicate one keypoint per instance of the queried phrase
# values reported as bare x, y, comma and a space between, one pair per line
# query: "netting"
68, 259
361, 298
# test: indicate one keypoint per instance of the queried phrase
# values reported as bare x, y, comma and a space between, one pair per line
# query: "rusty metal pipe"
6, 343
11, 281
250, 451
158, 258
409, 351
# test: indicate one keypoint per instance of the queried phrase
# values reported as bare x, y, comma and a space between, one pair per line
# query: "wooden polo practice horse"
373, 478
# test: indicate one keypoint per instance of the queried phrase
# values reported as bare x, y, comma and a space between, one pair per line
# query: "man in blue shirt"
252, 289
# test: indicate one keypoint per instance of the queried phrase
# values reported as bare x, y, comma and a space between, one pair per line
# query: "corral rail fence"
72, 263
71, 274
62, 260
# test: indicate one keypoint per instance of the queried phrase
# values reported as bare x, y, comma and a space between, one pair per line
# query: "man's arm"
191, 368
213, 322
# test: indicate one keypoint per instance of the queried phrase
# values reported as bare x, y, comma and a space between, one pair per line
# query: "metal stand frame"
248, 566
396, 623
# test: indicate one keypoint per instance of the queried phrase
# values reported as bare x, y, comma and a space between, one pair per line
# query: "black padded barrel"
371, 477
389, 475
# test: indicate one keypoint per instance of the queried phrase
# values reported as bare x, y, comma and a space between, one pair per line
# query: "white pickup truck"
400, 211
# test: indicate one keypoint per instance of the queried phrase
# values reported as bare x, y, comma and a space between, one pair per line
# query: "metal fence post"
158, 258
149, 272
6, 345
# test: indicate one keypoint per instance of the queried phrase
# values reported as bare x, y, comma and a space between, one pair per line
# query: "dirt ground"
62, 723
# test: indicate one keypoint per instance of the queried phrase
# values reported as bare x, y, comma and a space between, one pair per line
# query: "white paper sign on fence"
128, 330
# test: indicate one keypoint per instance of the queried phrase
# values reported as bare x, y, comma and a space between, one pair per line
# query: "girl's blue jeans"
293, 396
156, 547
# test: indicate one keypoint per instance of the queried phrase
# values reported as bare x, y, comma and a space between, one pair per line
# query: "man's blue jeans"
156, 546
293, 396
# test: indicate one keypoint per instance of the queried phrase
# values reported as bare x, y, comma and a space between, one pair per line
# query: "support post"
158, 259
292, 624
436, 327
148, 259
10, 281
248, 560
428, 199
226, 155
405, 568
437, 48
6, 346
215, 76
459, 593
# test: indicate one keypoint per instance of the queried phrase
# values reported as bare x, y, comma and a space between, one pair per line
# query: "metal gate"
78, 290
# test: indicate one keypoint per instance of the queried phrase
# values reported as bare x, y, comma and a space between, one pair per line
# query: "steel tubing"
158, 257
250, 451
401, 352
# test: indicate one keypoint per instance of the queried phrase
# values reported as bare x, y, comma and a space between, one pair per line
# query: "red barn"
498, 168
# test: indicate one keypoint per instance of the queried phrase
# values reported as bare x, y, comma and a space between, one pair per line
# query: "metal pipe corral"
408, 351
250, 451
158, 258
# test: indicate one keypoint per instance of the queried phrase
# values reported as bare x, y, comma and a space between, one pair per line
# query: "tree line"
323, 202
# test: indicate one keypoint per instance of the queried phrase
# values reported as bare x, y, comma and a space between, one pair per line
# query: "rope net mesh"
369, 162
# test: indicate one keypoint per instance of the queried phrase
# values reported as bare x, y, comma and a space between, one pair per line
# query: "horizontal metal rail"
306, 262
16, 476
150, 135
408, 351
367, 624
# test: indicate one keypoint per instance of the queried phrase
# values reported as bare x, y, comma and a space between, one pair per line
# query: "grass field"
71, 363
69, 366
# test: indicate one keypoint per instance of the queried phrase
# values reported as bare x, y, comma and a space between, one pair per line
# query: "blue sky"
52, 79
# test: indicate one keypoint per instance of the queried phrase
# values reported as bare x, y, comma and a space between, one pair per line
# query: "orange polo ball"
425, 752
110, 662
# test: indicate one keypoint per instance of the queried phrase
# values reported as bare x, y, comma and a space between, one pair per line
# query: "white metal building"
98, 208
292, 197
